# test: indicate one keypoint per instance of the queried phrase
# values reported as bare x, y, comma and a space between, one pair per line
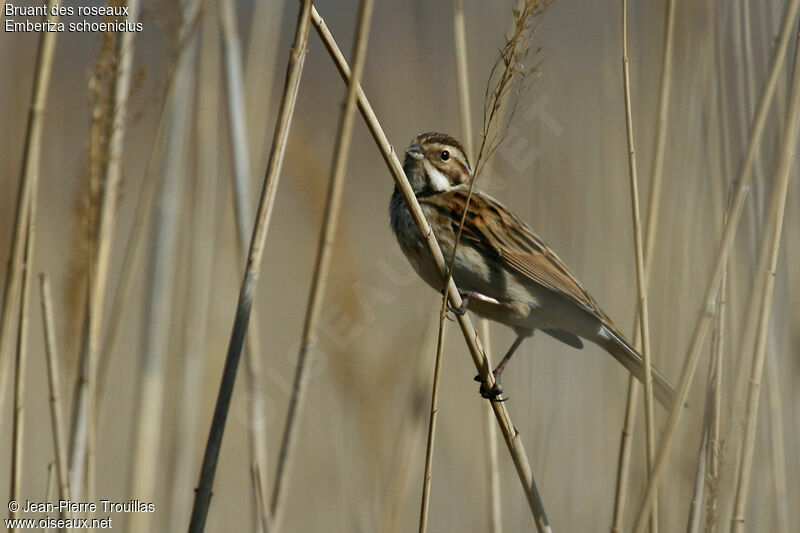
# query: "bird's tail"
626, 354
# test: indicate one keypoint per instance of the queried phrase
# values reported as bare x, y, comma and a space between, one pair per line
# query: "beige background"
563, 169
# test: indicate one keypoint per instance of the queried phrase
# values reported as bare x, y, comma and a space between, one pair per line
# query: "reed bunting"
504, 271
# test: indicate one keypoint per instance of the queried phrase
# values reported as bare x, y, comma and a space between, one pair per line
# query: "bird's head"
436, 162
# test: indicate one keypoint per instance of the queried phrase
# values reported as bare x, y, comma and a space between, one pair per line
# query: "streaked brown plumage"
506, 272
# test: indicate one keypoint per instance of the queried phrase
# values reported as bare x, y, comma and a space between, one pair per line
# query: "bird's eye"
445, 155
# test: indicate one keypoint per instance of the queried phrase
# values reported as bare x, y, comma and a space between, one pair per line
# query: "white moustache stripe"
439, 181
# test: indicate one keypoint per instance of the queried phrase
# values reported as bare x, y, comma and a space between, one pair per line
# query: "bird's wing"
502, 237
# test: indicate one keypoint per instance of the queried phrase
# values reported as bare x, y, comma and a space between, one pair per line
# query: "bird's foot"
493, 393
462, 310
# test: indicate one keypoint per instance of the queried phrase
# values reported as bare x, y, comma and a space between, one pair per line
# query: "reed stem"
726, 241
774, 226
53, 381
247, 292
511, 435
28, 181
641, 281
322, 263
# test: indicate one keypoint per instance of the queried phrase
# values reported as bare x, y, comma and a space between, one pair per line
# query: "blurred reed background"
360, 449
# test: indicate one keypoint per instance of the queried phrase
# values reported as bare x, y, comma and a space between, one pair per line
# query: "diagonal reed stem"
653, 205
252, 271
433, 415
641, 281
144, 205
133, 248
489, 430
660, 142
695, 505
460, 37
707, 308
28, 181
777, 449
200, 269
773, 227
161, 274
714, 440
322, 264
240, 156
262, 513
510, 433
432, 419
83, 434
409, 436
17, 432
53, 381
25, 235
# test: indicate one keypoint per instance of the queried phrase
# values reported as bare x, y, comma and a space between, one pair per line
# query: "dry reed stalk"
409, 436
695, 506
778, 455
494, 501
641, 281
507, 71
105, 233
247, 291
28, 181
203, 236
660, 142
489, 430
432, 419
714, 440
240, 155
462, 75
321, 265
142, 213
149, 402
133, 248
232, 53
48, 491
53, 381
511, 70
261, 500
777, 204
83, 437
510, 433
625, 448
719, 93
706, 312
144, 204
133, 252
742, 49
17, 436
750, 325
710, 419
265, 31
651, 225
743, 53
724, 133
433, 414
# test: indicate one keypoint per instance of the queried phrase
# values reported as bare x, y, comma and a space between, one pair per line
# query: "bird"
504, 271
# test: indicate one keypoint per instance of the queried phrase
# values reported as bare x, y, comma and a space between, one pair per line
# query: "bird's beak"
415, 152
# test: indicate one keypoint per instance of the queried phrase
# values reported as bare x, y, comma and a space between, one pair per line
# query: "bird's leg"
504, 361
468, 296
497, 389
